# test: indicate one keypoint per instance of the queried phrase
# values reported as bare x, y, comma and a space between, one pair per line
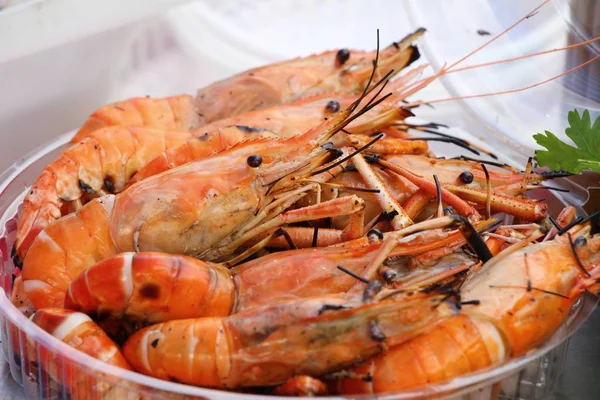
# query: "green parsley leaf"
561, 156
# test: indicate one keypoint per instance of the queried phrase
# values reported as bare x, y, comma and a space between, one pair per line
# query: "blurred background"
61, 59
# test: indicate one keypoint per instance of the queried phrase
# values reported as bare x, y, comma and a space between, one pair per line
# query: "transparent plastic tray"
222, 48
24, 344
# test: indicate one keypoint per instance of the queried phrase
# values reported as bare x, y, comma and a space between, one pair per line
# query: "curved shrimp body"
285, 121
152, 287
175, 113
187, 210
294, 274
519, 301
99, 164
341, 71
271, 344
157, 287
80, 332
338, 71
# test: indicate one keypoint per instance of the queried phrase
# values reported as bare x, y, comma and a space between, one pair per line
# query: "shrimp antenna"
492, 163
488, 187
467, 145
438, 187
473, 238
492, 40
450, 140
375, 64
473, 96
352, 274
594, 220
287, 237
539, 53
349, 156
529, 289
366, 90
571, 224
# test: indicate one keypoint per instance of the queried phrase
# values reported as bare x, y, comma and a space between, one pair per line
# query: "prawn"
338, 71
270, 344
293, 119
105, 161
155, 287
80, 332
515, 302
205, 209
99, 164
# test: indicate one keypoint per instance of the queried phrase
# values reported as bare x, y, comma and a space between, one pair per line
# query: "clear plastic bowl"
531, 377
516, 116
228, 43
233, 36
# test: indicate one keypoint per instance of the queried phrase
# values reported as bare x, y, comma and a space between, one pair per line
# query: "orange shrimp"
206, 209
341, 71
175, 113
80, 332
268, 345
515, 302
156, 287
152, 287
293, 119
99, 164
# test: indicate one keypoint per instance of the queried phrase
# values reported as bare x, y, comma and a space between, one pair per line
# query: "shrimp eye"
466, 177
342, 56
374, 235
254, 161
390, 275
449, 210
332, 106
580, 241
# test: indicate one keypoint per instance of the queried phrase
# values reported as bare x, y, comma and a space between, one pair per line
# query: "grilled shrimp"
99, 164
341, 71
271, 344
293, 119
157, 287
205, 209
80, 332
514, 303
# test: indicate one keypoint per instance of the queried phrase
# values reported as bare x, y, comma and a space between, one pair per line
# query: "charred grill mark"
373, 287
331, 307
250, 129
376, 332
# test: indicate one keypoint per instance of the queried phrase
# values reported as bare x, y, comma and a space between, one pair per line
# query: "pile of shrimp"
288, 231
